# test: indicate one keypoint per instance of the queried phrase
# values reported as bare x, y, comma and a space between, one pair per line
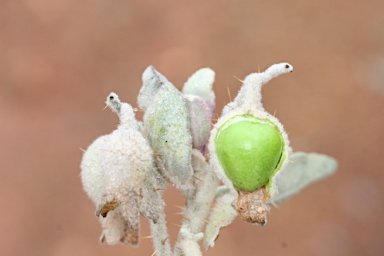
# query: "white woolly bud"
91, 174
115, 170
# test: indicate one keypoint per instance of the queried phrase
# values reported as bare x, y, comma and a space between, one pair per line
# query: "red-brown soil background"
60, 59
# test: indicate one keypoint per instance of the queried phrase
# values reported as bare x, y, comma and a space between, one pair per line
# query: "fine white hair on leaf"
200, 116
187, 234
190, 241
197, 209
302, 170
153, 81
221, 215
167, 122
200, 84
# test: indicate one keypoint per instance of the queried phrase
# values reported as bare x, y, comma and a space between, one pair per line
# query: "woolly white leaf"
200, 84
187, 234
153, 81
197, 211
152, 200
198, 205
221, 216
302, 170
167, 122
200, 116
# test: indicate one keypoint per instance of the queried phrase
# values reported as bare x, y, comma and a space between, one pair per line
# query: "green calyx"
250, 150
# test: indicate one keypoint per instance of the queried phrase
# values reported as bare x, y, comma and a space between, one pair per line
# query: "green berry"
249, 150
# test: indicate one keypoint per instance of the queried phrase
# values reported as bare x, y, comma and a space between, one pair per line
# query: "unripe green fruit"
249, 150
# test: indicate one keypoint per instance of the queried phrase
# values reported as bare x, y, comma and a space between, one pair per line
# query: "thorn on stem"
274, 204
211, 123
197, 178
238, 79
145, 237
163, 241
229, 94
229, 106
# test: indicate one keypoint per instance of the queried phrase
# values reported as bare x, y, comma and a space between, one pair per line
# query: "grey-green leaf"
200, 116
302, 170
200, 84
167, 123
221, 215
153, 81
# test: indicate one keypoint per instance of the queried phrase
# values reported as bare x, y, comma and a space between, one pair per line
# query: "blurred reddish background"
60, 59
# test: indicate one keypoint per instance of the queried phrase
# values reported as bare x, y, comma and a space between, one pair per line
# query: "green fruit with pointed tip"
249, 150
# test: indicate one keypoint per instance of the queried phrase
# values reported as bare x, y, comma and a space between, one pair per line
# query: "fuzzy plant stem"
197, 208
159, 230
